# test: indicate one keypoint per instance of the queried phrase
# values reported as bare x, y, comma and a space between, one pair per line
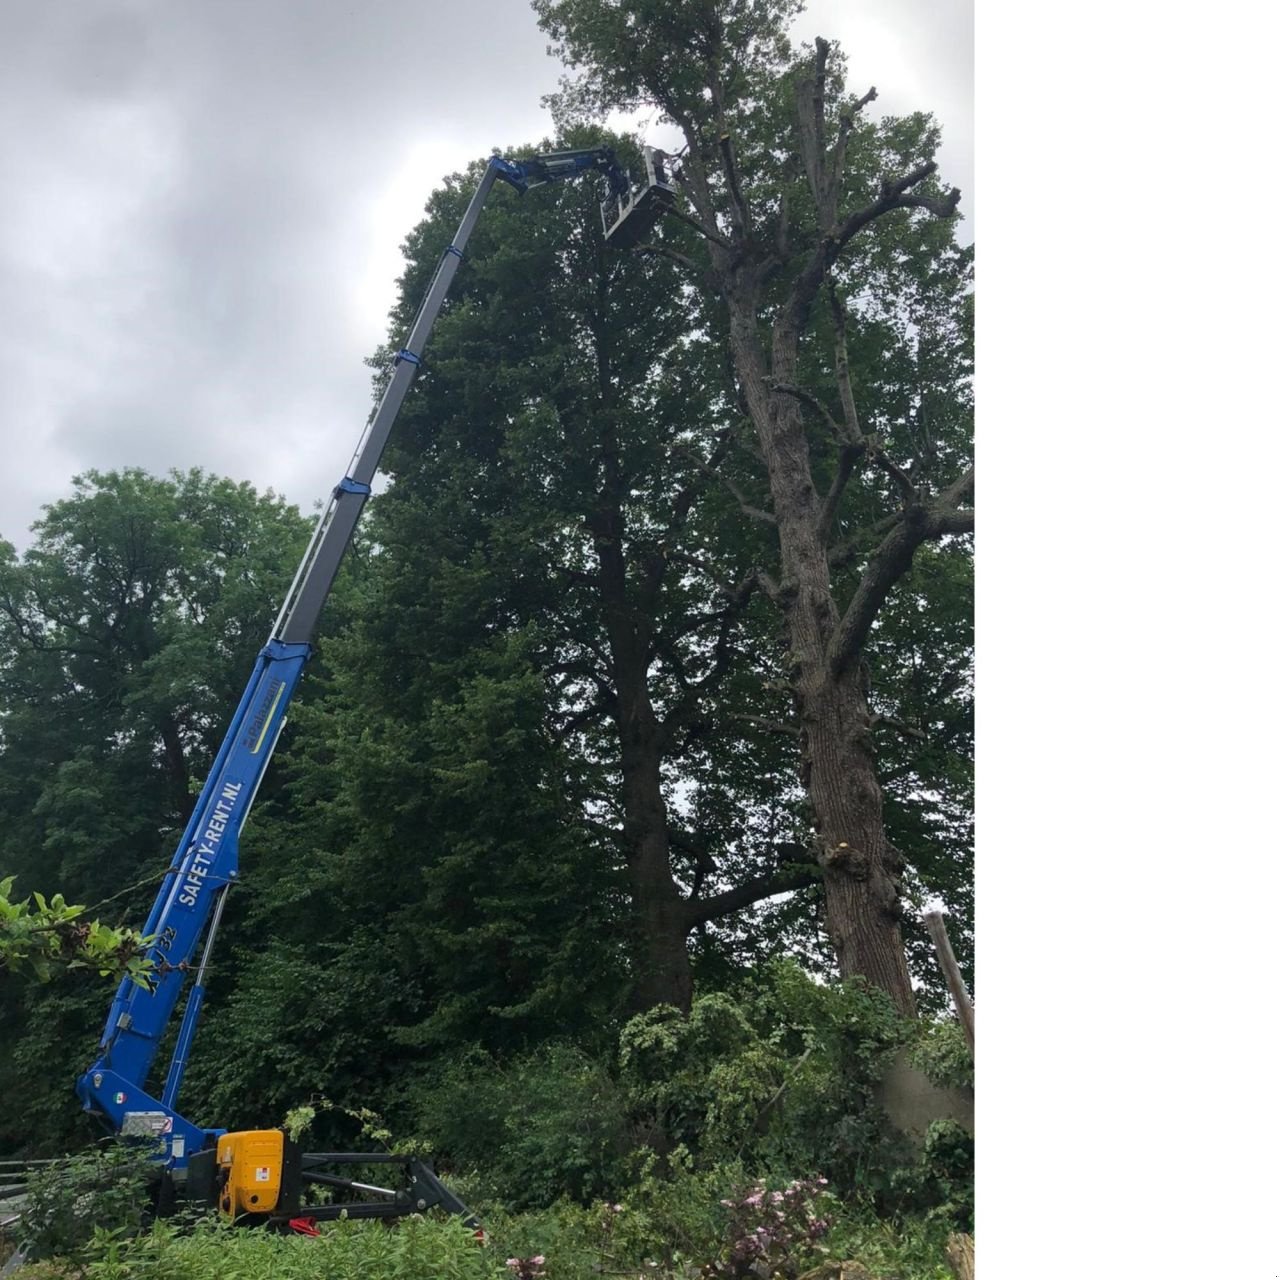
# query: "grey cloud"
190, 190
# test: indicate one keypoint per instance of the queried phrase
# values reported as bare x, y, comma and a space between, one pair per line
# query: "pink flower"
538, 1260
513, 1262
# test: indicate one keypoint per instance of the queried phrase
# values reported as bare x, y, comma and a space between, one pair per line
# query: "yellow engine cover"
250, 1164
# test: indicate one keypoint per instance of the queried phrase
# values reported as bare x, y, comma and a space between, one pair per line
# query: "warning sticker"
262, 1173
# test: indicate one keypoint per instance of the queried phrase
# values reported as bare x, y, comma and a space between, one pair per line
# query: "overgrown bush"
942, 1053
778, 1075
106, 1189
530, 1130
702, 1080
689, 1222
939, 1184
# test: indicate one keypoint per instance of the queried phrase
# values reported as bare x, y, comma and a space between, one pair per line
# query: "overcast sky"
204, 202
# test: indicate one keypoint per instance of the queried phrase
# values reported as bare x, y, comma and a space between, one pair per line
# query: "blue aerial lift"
259, 1174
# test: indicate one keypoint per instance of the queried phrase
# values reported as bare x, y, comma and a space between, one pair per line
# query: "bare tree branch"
769, 726
811, 111
892, 558
667, 252
748, 509
849, 455
751, 891
736, 595
808, 398
741, 210
842, 144
844, 382
899, 726
862, 540
674, 211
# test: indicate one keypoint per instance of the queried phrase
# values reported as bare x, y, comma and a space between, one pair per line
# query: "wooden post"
951, 971
960, 1256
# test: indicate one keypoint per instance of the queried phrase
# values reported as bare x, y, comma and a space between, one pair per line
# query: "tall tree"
550, 480
127, 629
796, 204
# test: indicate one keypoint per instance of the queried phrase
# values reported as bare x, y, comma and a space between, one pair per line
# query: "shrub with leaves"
701, 1079
101, 1191
940, 1184
943, 1055
537, 1127
39, 936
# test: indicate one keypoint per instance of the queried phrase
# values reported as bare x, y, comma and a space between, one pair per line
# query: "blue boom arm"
206, 862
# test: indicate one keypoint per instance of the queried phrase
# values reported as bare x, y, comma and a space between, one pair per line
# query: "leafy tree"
126, 632
550, 483
796, 204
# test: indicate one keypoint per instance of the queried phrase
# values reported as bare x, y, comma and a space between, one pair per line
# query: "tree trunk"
861, 870
659, 916
176, 766
660, 953
960, 1256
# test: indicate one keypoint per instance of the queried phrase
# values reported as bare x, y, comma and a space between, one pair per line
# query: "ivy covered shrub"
697, 1081
939, 1184
836, 1041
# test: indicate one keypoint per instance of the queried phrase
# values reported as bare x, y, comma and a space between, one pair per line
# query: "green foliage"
689, 1222
127, 630
40, 937
417, 1248
939, 1184
528, 1130
667, 1229
73, 1201
699, 1080
942, 1053
779, 1075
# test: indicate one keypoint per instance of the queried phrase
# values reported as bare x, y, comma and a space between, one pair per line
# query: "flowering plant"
526, 1268
770, 1231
